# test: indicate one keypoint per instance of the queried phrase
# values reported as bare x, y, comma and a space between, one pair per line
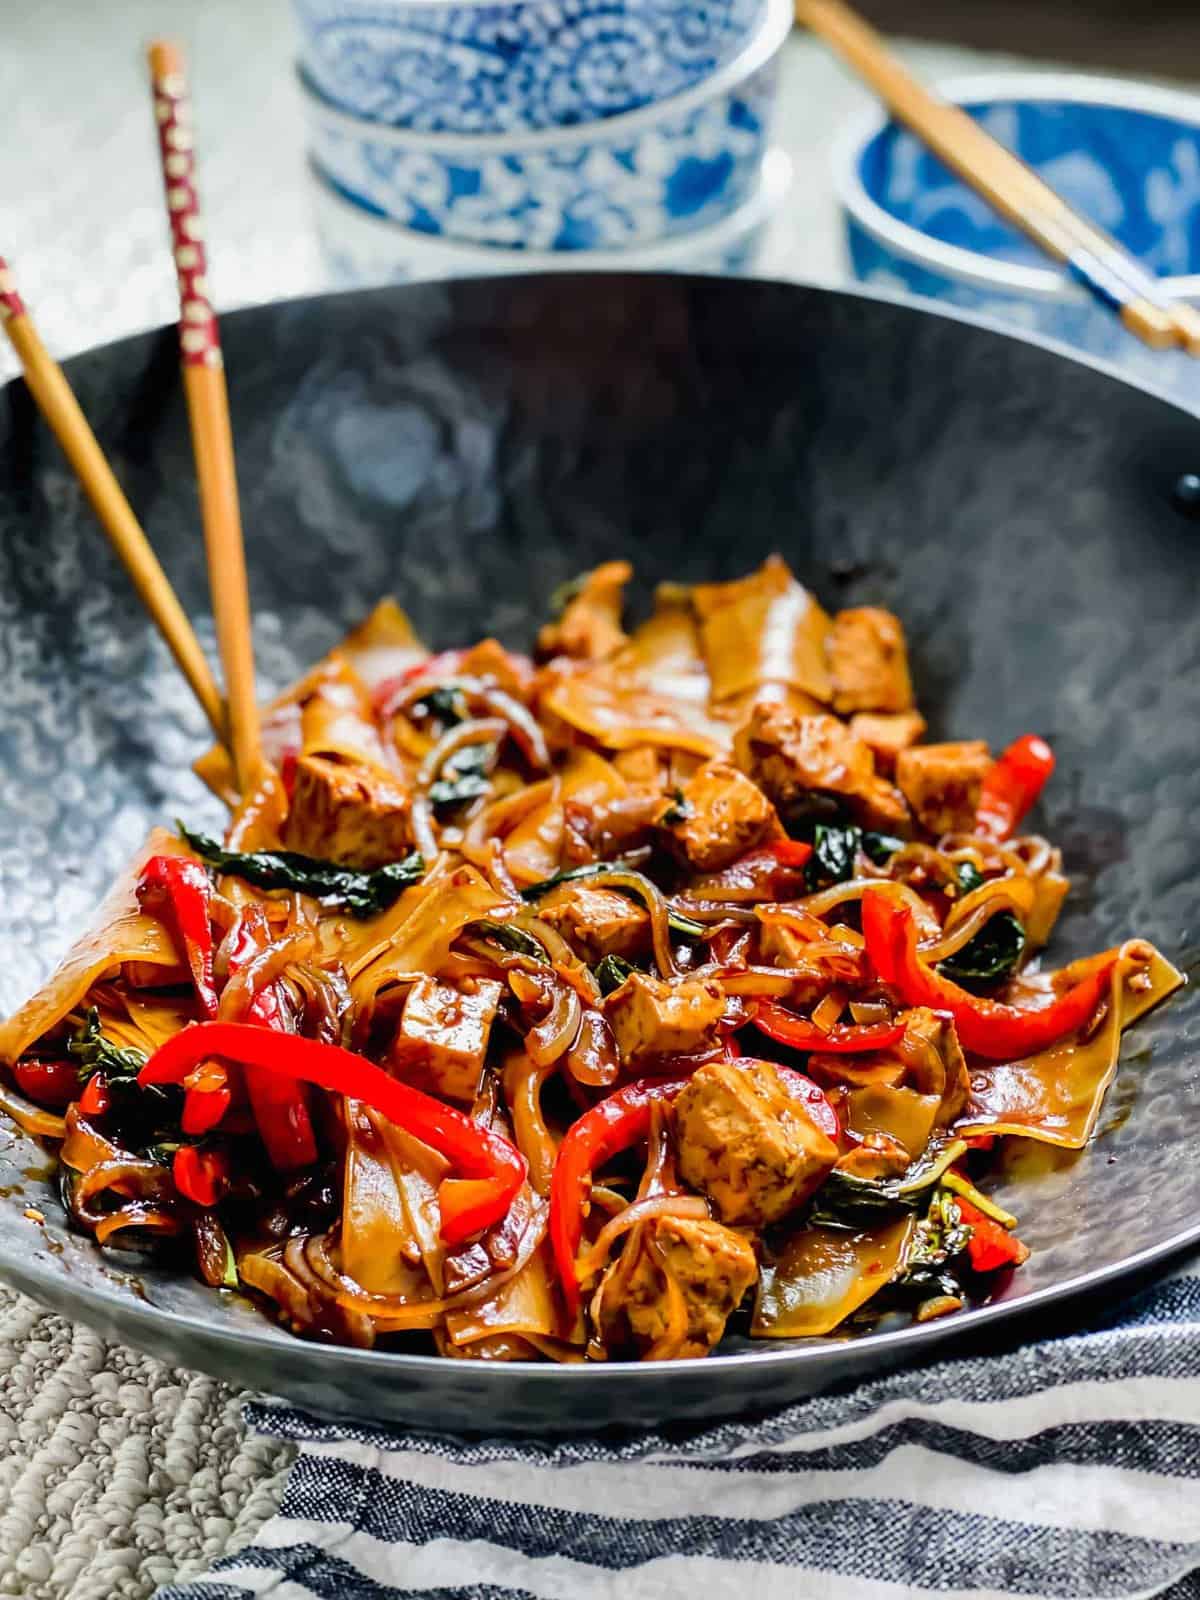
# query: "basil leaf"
361, 893
95, 1053
834, 848
678, 811
990, 955
445, 705
611, 971
561, 597
465, 776
510, 938
845, 1200
969, 877
881, 847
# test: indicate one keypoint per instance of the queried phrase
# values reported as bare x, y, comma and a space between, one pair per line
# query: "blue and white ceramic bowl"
625, 182
1126, 155
444, 68
361, 249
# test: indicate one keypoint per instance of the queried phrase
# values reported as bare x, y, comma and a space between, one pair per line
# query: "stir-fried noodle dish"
585, 1007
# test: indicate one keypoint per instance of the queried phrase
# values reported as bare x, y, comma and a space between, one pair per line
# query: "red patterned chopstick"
208, 407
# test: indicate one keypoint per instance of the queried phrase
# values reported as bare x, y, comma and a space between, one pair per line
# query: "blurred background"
401, 194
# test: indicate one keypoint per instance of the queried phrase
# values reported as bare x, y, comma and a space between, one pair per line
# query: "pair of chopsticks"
235, 719
1106, 270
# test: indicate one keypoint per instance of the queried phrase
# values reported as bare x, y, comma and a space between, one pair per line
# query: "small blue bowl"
361, 249
1125, 155
439, 68
627, 181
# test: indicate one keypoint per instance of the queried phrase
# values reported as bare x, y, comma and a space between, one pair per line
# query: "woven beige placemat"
117, 1472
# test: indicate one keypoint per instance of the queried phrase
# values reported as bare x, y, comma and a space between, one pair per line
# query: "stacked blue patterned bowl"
613, 132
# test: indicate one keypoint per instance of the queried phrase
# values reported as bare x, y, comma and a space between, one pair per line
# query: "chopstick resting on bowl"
1103, 267
208, 410
55, 399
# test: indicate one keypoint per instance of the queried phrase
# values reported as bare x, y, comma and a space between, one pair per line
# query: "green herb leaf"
938, 1240
95, 1053
510, 938
361, 893
969, 877
834, 848
445, 705
990, 955
611, 971
881, 847
847, 1201
561, 597
678, 811
683, 925
465, 776
229, 1279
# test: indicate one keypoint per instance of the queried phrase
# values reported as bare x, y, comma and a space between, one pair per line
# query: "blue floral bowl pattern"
361, 249
612, 186
1127, 156
440, 68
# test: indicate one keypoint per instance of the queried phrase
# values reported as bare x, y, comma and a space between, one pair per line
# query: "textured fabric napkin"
1067, 1467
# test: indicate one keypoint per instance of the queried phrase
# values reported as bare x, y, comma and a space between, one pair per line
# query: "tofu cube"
597, 922
446, 1031
747, 1144
651, 1019
711, 1266
868, 662
942, 783
717, 816
352, 814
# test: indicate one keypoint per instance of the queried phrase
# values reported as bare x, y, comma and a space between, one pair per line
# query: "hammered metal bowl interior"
469, 447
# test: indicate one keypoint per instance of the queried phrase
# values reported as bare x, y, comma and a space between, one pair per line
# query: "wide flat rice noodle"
903, 1114
523, 1305
666, 649
821, 1276
1056, 1095
379, 1249
421, 942
118, 933
533, 850
611, 705
336, 719
765, 628
382, 646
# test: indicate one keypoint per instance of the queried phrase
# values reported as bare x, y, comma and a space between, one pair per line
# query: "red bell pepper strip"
203, 1109
991, 1246
800, 1034
475, 1152
986, 1027
279, 1104
176, 890
789, 852
1012, 786
50, 1083
201, 1176
613, 1125
95, 1099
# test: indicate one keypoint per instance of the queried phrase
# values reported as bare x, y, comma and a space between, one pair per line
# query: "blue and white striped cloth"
1064, 1468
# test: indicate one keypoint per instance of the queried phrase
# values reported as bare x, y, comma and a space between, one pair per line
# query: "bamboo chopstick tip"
166, 59
1151, 323
1186, 319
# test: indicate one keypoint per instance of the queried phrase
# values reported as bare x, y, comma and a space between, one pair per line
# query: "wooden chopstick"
208, 410
1094, 259
56, 400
